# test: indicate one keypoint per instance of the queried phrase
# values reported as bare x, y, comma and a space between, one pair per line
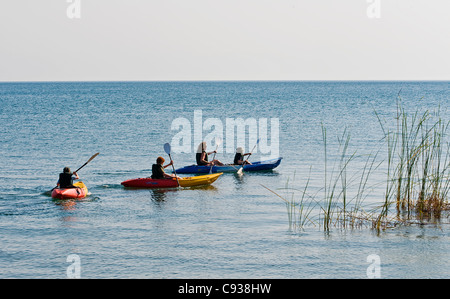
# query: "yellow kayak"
199, 180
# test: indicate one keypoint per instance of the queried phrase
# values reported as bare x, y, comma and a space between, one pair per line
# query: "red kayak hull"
150, 183
68, 193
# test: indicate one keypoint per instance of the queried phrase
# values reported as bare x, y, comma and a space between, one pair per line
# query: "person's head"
240, 150
201, 147
66, 170
160, 160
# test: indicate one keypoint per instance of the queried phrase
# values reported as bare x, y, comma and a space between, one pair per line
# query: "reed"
335, 194
422, 165
337, 208
434, 169
298, 211
381, 220
417, 168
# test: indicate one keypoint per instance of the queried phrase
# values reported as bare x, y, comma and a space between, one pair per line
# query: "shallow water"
234, 228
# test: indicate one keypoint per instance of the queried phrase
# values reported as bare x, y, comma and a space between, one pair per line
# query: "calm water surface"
232, 229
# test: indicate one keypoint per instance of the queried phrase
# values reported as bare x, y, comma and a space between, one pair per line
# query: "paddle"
90, 159
167, 149
240, 171
218, 141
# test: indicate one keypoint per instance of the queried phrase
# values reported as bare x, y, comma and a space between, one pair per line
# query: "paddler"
239, 157
202, 156
66, 178
158, 170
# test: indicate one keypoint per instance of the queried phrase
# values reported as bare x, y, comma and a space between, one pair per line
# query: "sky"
159, 40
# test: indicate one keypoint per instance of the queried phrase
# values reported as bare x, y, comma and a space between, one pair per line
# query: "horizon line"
229, 80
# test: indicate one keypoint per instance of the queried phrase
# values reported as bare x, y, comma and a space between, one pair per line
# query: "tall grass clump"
416, 185
336, 201
341, 202
418, 164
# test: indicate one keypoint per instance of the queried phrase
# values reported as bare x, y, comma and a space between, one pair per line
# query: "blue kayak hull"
255, 166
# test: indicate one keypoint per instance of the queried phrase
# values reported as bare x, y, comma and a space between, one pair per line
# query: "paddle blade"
240, 171
167, 148
92, 158
218, 141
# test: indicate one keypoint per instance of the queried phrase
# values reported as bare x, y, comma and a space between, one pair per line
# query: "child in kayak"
239, 157
66, 178
202, 156
158, 170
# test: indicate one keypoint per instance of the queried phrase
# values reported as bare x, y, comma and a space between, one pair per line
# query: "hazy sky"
224, 40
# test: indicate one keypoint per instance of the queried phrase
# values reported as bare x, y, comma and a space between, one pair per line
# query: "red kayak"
150, 183
172, 183
66, 193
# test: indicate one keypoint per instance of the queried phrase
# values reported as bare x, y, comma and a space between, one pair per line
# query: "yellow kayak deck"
199, 180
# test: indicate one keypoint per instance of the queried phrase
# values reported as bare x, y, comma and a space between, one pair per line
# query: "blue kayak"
255, 166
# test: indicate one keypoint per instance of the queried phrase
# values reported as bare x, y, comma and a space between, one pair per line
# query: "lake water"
234, 228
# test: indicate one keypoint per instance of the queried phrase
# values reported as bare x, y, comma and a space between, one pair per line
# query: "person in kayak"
158, 172
66, 178
239, 157
202, 156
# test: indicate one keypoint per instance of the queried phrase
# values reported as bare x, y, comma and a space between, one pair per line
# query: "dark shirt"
65, 180
238, 157
157, 171
198, 157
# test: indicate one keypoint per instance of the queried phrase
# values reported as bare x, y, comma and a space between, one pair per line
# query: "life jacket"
65, 180
157, 172
198, 157
237, 157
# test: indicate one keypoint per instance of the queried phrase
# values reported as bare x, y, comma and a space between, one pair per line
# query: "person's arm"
212, 152
242, 160
76, 176
203, 157
171, 163
246, 161
169, 176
